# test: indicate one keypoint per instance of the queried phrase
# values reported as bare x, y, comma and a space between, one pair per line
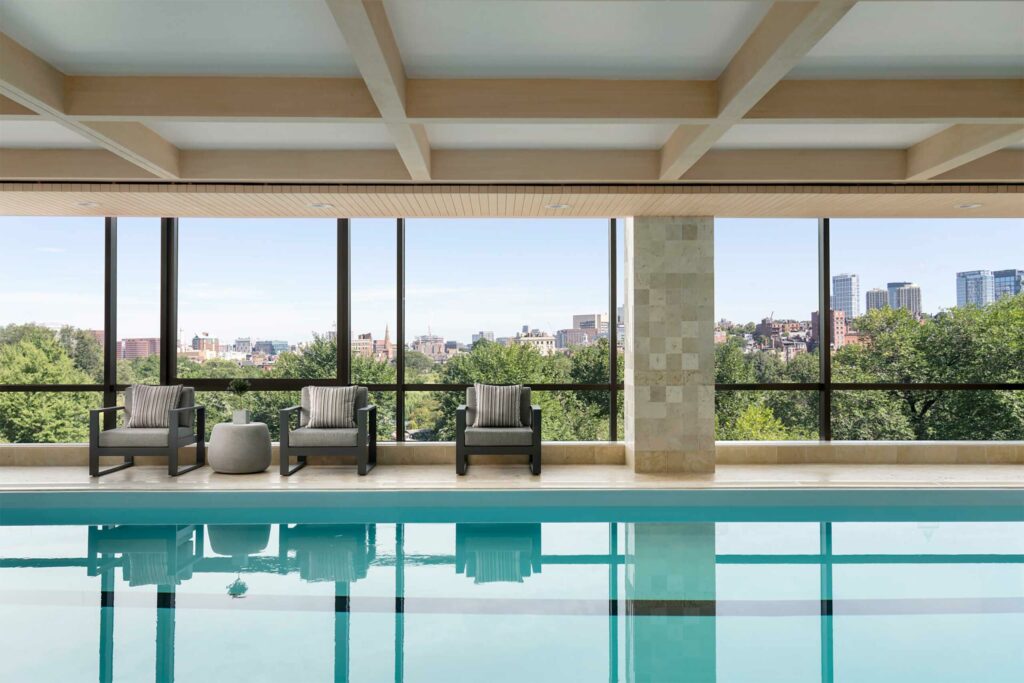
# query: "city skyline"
233, 276
770, 265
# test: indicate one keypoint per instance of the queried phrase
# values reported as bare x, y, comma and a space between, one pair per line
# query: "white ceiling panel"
921, 40
305, 136
826, 136
202, 37
547, 136
570, 39
40, 134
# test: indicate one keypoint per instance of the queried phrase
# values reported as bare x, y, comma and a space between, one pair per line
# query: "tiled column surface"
670, 586
670, 353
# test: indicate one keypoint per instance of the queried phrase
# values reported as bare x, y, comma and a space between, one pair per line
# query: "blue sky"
275, 278
763, 265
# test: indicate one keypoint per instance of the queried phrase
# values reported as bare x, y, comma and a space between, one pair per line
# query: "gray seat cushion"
525, 409
362, 400
140, 437
499, 436
304, 437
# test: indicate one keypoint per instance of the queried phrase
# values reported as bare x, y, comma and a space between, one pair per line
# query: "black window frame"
825, 386
169, 264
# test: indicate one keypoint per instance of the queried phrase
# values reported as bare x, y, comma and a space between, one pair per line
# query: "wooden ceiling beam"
958, 145
256, 98
368, 35
508, 166
219, 98
979, 100
786, 33
31, 82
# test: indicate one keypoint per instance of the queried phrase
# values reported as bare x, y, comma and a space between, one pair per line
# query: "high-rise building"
846, 294
837, 331
362, 345
1008, 282
975, 288
270, 347
542, 341
139, 347
242, 345
877, 298
431, 345
205, 343
484, 335
905, 295
594, 321
576, 337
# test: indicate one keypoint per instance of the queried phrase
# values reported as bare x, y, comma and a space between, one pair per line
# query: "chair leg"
535, 461
461, 460
365, 461
94, 464
286, 471
172, 464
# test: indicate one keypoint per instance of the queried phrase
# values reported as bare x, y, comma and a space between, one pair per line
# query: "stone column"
670, 589
670, 352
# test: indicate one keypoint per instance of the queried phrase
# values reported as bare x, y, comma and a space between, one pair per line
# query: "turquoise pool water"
737, 586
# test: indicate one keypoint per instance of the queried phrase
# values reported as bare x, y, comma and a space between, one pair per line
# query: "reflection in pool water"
827, 600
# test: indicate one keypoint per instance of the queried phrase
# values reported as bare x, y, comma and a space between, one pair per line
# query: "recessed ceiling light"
88, 205
972, 205
321, 205
556, 206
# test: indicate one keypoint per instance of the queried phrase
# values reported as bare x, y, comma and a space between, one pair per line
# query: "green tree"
756, 422
565, 415
30, 417
84, 350
419, 367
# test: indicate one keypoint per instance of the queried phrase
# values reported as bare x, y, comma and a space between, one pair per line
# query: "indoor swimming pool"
728, 586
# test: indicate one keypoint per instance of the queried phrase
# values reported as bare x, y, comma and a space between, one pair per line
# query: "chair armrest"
105, 410
535, 421
172, 420
366, 421
285, 417
94, 419
186, 409
460, 423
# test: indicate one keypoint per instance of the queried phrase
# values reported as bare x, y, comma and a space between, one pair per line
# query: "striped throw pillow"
497, 405
332, 407
151, 403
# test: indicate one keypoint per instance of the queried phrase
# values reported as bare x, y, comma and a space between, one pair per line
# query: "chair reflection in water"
497, 553
161, 556
341, 553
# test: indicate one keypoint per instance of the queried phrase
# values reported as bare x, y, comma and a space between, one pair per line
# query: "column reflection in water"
670, 602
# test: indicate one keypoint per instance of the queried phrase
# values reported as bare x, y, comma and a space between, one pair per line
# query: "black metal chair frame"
462, 451
365, 449
174, 443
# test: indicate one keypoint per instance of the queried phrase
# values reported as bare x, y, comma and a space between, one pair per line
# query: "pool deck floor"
517, 477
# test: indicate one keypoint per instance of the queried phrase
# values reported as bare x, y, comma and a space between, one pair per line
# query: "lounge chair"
470, 440
187, 426
304, 441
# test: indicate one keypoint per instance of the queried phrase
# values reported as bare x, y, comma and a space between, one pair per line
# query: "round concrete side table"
239, 448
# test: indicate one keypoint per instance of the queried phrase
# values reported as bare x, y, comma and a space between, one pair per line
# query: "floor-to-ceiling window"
415, 310
923, 339
51, 327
